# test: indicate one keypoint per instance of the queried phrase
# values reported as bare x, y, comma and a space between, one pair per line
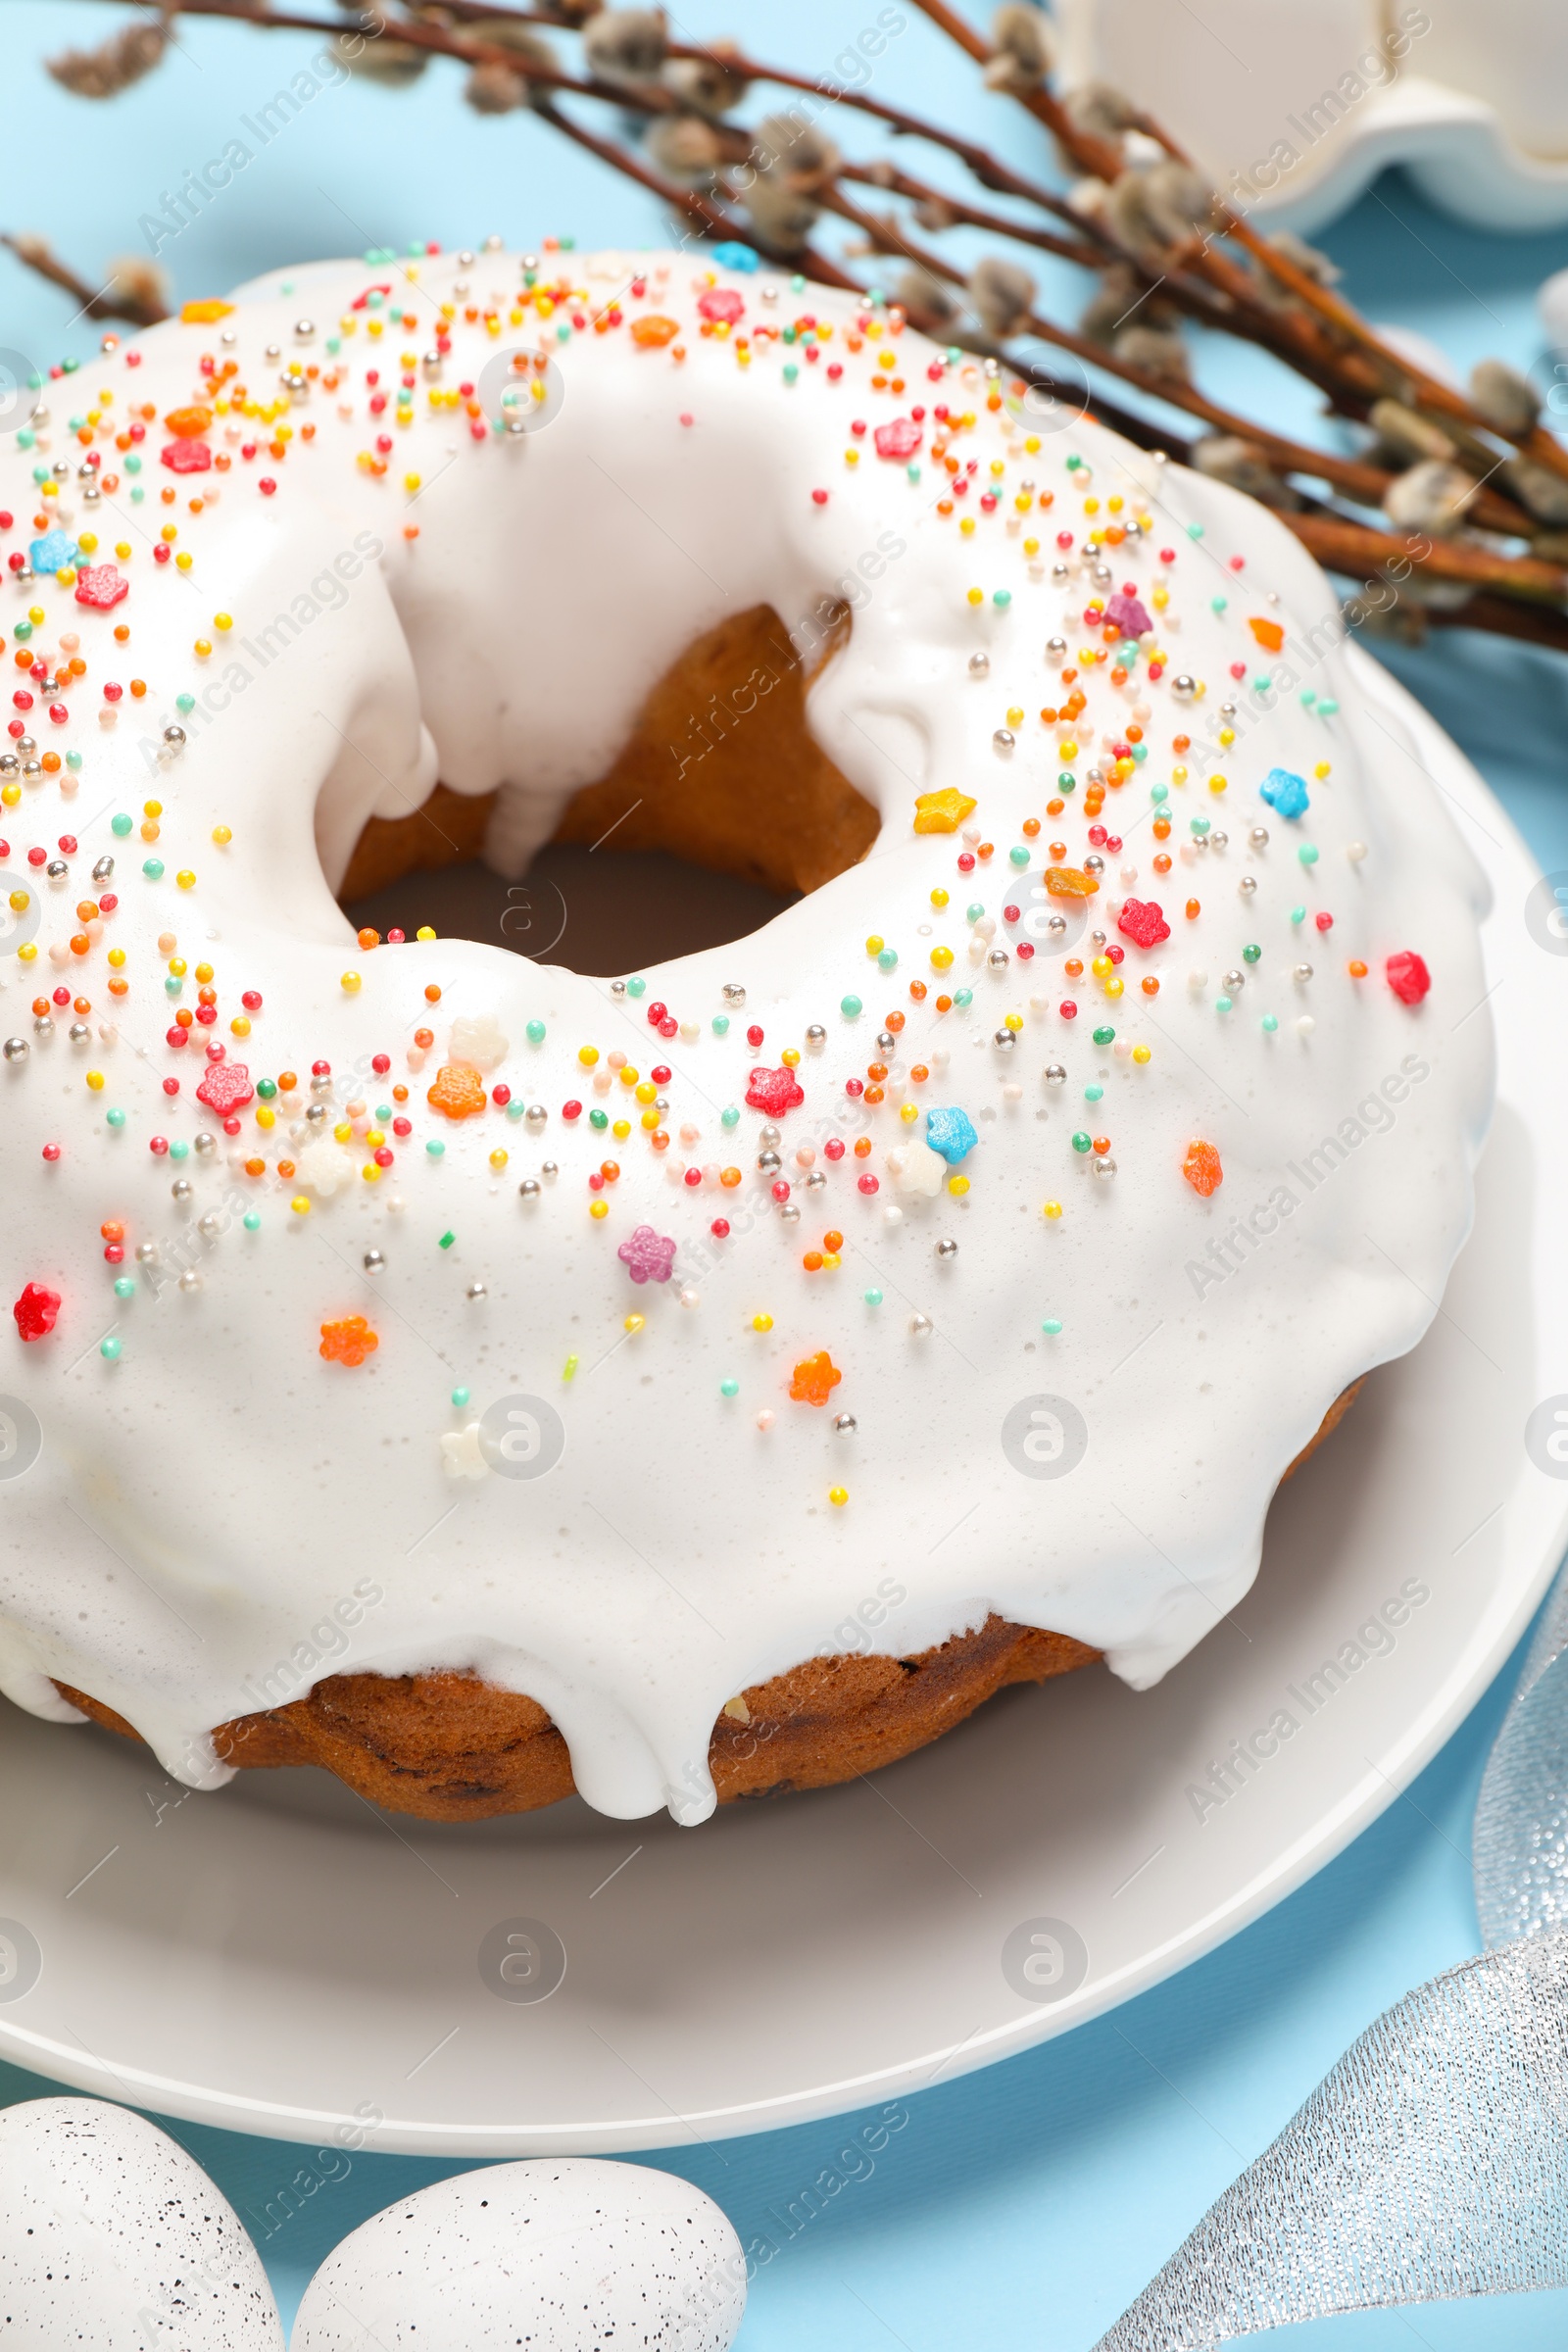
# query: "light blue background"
1025, 2205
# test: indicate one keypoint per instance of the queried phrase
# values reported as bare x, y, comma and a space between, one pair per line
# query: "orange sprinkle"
348, 1341
458, 1090
818, 1376
1202, 1170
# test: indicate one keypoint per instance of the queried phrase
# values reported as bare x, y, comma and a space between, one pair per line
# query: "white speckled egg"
112, 2239
565, 2254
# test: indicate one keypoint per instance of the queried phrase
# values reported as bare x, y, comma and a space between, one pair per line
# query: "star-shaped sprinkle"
349, 1341
1202, 1170
1142, 921
35, 1311
1286, 793
774, 1090
721, 303
458, 1090
951, 1133
226, 1087
900, 439
1407, 976
942, 811
186, 456
816, 1379
55, 551
646, 1255
1070, 882
100, 585
462, 1456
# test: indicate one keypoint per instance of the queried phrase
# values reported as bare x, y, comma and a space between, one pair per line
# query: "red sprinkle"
37, 1307
1407, 976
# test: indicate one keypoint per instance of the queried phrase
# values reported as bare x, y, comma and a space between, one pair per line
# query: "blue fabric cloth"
1026, 2205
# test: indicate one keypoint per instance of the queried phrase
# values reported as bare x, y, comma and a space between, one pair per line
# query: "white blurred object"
1552, 304
1294, 106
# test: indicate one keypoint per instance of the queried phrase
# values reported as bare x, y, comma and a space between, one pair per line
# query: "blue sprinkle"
1286, 792
731, 256
951, 1133
53, 552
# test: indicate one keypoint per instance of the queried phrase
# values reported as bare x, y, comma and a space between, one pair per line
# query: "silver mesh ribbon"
1521, 1833
1433, 2161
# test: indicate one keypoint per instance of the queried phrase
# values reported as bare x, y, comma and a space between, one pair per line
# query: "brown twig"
109, 301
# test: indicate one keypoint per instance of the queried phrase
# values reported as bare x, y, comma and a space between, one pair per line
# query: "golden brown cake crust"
450, 1748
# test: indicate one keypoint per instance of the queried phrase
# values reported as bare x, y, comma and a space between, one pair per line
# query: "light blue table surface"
1025, 2205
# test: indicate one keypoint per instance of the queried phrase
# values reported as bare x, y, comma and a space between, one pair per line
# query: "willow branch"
108, 301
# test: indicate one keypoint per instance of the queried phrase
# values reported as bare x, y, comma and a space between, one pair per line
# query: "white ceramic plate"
284, 1960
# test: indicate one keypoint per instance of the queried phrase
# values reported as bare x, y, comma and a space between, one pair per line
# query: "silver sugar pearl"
1005, 1040
1184, 686
1004, 740
979, 666
476, 1290
733, 993
316, 1113
17, 1048
1247, 885
618, 987
322, 1083
1220, 841
182, 1188
146, 1253
1056, 647
999, 959
56, 870
1056, 924
1094, 864
1060, 574
43, 1024
769, 1163
1259, 837
81, 1033
919, 1325
529, 1189
191, 1279
1234, 982
1056, 1074
790, 1213
372, 1261
886, 1041
767, 1135
104, 870
175, 735
1101, 575
815, 1180
549, 1169
947, 1250
210, 1226
1302, 971
535, 1115
1104, 1168
204, 1145
817, 1035
1227, 710
845, 1424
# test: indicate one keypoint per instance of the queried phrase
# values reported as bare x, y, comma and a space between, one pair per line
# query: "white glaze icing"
219, 1517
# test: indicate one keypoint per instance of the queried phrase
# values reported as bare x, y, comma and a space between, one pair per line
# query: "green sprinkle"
1195, 530
635, 988
447, 1240
872, 1296
1308, 852
1307, 697
1222, 1003
1269, 1024
515, 1108
1200, 825
1092, 1093
125, 1288
850, 1008
791, 371
1297, 914
1157, 792
1067, 782
184, 704
1051, 1326
1327, 707
109, 1348
120, 824
153, 868
973, 912
1083, 1141
173, 985
267, 1088
599, 1118
116, 1119
1219, 604
963, 997
721, 1024
1251, 955
21, 631
435, 1146
1003, 597
460, 1397
179, 1148
729, 1388
252, 1220
536, 1033
886, 958
1018, 856
1105, 1036
73, 760
383, 1112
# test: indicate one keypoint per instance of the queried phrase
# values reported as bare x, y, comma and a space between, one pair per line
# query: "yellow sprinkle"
300, 1206
875, 944
633, 1323
240, 1025
939, 898
1217, 783
182, 563
28, 953
370, 1172
838, 1494
599, 1209
569, 1368
349, 984
424, 932
958, 1186
587, 1056
620, 1129
1014, 1021
95, 1079
202, 648
908, 1112
762, 1322
977, 596
1143, 1054
223, 836
1053, 1208
220, 620
941, 958
790, 1057
185, 878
